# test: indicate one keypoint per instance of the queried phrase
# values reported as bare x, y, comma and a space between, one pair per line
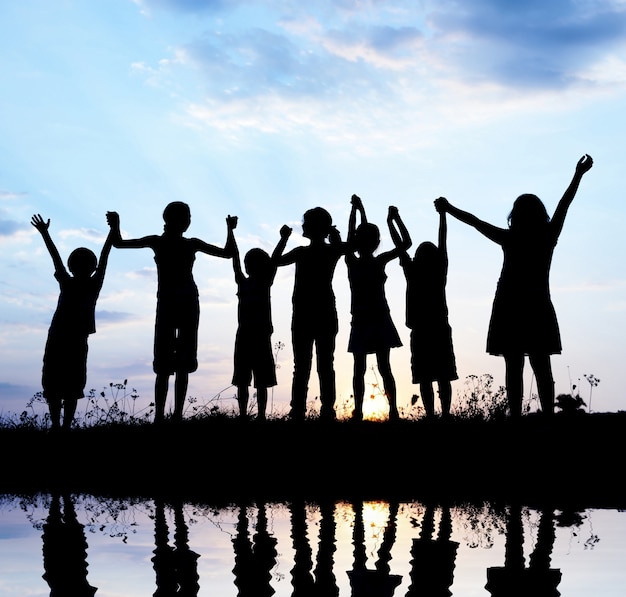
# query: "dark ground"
570, 462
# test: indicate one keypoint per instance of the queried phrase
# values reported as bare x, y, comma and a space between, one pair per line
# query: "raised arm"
227, 250
398, 231
357, 207
231, 247
42, 226
285, 233
104, 255
584, 165
113, 220
443, 240
489, 230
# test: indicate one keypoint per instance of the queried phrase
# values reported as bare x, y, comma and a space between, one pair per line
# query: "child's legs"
261, 400
389, 383
445, 395
302, 341
242, 400
428, 397
325, 353
69, 410
180, 392
161, 386
514, 364
542, 368
54, 406
358, 383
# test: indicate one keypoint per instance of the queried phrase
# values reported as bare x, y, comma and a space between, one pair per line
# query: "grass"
478, 453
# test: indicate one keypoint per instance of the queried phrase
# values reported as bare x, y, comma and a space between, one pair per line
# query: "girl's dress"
523, 320
372, 329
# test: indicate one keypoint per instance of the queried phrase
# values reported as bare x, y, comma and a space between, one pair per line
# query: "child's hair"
366, 238
82, 262
528, 212
256, 262
316, 222
428, 258
177, 215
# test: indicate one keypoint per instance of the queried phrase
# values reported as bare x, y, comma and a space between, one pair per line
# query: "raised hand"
356, 202
584, 164
231, 222
442, 204
113, 219
285, 231
38, 222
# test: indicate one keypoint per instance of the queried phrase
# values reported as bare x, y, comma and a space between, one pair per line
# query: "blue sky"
265, 109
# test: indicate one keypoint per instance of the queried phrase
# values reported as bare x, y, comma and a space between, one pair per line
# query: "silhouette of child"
178, 308
64, 372
432, 354
314, 317
523, 321
372, 329
253, 344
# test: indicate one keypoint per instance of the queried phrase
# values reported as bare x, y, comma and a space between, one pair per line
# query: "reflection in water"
378, 582
513, 579
254, 559
322, 581
175, 567
65, 551
314, 541
432, 563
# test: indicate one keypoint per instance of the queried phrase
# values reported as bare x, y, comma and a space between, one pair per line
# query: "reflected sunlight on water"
78, 544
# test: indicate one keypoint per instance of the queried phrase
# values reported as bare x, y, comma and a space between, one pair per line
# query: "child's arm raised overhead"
113, 220
584, 165
38, 222
231, 247
399, 233
357, 207
104, 255
285, 233
489, 230
443, 238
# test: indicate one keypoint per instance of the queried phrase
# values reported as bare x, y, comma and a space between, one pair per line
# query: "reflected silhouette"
254, 558
314, 318
65, 551
523, 321
178, 306
372, 330
175, 567
378, 582
64, 373
433, 560
322, 581
514, 579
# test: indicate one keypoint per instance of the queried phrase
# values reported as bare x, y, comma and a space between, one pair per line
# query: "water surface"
84, 545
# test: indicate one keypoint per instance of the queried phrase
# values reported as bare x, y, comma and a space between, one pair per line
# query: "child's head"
82, 262
428, 259
528, 212
366, 238
177, 216
316, 223
256, 262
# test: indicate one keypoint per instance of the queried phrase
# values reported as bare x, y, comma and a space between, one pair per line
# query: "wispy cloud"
335, 67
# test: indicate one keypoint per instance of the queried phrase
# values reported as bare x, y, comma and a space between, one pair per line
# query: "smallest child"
64, 374
253, 346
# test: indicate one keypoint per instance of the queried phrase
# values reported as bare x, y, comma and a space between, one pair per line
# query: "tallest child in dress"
523, 321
